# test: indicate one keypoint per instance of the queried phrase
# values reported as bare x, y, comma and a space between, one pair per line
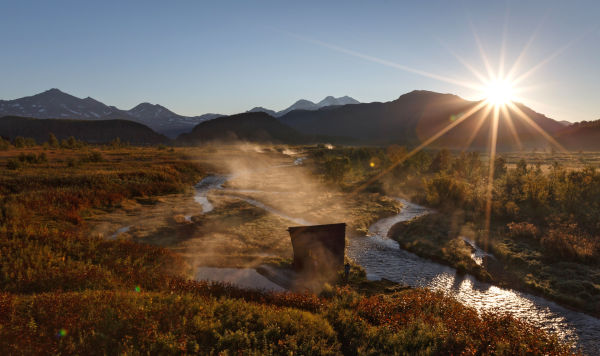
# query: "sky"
226, 57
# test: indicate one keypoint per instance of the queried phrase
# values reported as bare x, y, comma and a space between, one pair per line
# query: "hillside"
583, 135
54, 103
97, 131
413, 118
250, 126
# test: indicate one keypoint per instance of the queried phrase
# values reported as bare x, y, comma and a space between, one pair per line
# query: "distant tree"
116, 143
499, 167
4, 144
19, 142
30, 142
72, 142
52, 141
441, 161
521, 167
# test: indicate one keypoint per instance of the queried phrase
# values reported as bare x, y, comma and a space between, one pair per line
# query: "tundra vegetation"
544, 230
66, 290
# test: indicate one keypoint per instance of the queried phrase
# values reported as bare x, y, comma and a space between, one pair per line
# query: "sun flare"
499, 92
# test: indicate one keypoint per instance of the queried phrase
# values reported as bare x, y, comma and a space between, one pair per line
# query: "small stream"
382, 258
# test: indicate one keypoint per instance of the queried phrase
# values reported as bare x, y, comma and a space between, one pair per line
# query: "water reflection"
382, 258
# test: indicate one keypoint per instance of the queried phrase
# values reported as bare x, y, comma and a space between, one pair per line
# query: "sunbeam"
499, 89
535, 126
480, 123
490, 185
511, 127
425, 143
469, 85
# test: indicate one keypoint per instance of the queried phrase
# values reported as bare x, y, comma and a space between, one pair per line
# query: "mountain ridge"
410, 119
304, 104
415, 117
54, 103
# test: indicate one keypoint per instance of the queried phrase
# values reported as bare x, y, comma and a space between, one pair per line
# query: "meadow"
68, 289
543, 229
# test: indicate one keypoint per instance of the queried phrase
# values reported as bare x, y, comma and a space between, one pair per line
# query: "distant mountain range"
303, 104
56, 104
418, 115
409, 120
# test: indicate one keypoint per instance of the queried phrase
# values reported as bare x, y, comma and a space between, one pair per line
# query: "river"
382, 258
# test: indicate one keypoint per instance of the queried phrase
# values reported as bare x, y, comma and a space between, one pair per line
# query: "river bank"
383, 258
433, 237
239, 232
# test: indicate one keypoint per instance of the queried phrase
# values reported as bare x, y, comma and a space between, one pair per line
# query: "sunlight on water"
382, 258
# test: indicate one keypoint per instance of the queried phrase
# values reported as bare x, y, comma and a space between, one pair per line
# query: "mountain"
409, 120
249, 126
96, 131
583, 135
331, 101
416, 116
147, 110
303, 104
565, 122
54, 103
165, 121
261, 109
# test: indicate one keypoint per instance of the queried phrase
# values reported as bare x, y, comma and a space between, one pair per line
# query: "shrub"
443, 190
4, 144
71, 162
12, 164
441, 161
32, 158
94, 156
42, 158
52, 141
19, 142
522, 230
566, 241
30, 142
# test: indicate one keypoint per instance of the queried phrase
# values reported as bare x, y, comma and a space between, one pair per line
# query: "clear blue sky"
228, 56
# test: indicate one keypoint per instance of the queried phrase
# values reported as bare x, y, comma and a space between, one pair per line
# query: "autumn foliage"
63, 291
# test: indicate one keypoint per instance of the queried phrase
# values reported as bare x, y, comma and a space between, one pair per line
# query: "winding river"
382, 258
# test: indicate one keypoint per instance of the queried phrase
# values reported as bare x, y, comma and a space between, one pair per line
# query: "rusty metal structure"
318, 249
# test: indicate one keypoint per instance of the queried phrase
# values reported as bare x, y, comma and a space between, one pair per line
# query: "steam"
267, 190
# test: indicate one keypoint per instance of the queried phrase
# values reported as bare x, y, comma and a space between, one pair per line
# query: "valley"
120, 248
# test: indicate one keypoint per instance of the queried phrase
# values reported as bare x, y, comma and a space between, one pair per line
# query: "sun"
499, 92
